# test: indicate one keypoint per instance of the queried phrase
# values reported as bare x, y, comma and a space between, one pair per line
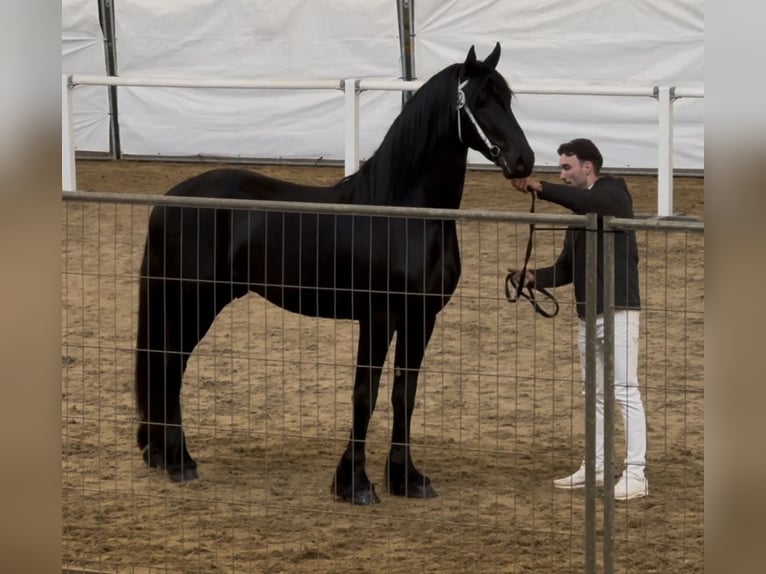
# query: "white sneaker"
631, 486
577, 480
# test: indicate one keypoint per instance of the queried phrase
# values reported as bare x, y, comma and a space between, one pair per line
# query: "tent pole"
406, 13
106, 14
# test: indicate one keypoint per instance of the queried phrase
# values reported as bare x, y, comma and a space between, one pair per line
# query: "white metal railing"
665, 96
201, 82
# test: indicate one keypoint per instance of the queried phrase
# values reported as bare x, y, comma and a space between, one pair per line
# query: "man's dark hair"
584, 150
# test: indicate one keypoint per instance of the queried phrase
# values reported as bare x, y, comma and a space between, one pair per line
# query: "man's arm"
608, 196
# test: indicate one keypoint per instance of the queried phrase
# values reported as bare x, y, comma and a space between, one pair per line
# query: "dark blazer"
607, 196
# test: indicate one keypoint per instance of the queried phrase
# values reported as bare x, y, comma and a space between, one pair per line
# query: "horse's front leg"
351, 483
402, 478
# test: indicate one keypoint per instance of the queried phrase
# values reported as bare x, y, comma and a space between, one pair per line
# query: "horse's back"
227, 183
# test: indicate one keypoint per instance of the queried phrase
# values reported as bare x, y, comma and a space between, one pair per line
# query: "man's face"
573, 171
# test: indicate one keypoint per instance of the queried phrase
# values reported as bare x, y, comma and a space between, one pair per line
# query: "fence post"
665, 98
609, 287
591, 298
68, 173
351, 162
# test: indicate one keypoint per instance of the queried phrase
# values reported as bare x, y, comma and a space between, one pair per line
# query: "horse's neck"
441, 176
433, 177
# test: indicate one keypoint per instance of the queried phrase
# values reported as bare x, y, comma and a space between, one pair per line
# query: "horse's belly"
309, 301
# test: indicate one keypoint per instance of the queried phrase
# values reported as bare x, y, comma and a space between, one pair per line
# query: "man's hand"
527, 184
529, 277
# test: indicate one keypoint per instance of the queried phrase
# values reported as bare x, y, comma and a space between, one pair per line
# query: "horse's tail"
149, 359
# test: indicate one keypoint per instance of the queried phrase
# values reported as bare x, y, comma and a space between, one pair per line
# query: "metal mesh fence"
666, 530
267, 410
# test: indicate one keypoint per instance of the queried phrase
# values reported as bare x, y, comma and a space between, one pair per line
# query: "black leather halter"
516, 290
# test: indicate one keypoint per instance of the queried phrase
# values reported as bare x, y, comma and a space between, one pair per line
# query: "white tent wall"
82, 47
591, 42
241, 39
545, 42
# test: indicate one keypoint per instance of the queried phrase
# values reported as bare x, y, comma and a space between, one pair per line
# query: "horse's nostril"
524, 165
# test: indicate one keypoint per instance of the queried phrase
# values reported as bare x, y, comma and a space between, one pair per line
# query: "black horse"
393, 275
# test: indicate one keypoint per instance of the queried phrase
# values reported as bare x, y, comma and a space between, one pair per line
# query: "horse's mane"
426, 117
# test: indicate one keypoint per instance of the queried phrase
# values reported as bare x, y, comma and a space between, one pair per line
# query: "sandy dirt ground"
267, 412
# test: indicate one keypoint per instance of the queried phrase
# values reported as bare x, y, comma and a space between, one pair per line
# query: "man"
587, 191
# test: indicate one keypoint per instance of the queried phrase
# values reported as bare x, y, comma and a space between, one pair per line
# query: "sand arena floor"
267, 413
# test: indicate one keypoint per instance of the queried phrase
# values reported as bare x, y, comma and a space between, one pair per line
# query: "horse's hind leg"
402, 478
173, 317
160, 364
351, 483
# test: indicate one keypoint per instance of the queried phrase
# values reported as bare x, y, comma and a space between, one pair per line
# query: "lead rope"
528, 291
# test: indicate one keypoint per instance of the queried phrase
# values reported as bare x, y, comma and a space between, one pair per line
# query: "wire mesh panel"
267, 409
665, 530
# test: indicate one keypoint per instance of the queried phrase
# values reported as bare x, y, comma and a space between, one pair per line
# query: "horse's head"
485, 120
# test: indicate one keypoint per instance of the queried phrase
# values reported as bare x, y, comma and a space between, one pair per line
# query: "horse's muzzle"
516, 165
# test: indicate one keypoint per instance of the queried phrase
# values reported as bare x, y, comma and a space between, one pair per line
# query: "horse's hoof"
153, 458
183, 474
356, 496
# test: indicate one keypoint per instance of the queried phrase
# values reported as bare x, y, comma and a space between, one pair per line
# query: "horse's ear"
471, 57
494, 57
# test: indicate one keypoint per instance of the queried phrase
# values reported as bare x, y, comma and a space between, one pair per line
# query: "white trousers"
626, 392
